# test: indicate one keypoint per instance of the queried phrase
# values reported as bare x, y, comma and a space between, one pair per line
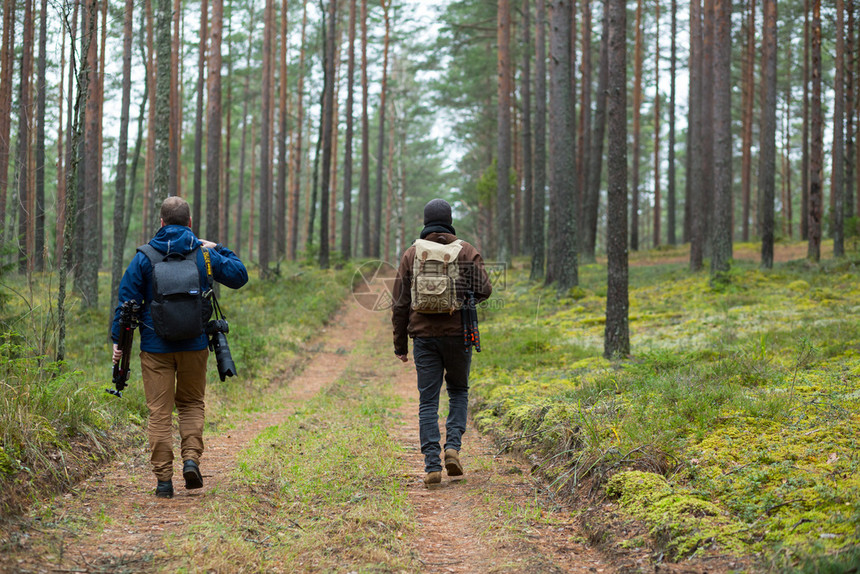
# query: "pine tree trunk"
707, 103
162, 102
503, 131
213, 124
243, 150
563, 157
527, 155
747, 106
77, 120
173, 181
585, 133
637, 122
197, 203
86, 277
346, 226
838, 153
380, 147
695, 152
539, 200
816, 151
656, 227
328, 131
22, 168
617, 335
804, 161
364, 184
7, 65
119, 206
293, 230
595, 157
266, 140
786, 156
283, 166
61, 174
722, 93
671, 199
224, 204
41, 86
149, 208
850, 159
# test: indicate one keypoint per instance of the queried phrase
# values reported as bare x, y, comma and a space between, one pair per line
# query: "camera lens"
218, 345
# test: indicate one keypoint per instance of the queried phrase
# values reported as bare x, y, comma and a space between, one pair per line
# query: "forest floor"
496, 519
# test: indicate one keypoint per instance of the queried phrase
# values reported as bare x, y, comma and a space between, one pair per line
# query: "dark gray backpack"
179, 308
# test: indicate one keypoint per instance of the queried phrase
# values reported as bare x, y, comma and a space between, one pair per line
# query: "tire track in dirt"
131, 525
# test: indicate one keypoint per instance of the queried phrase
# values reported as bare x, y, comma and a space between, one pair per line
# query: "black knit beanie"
437, 211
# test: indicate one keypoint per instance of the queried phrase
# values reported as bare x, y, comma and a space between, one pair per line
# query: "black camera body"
217, 331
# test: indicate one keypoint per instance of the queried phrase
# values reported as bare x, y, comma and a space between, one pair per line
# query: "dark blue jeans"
436, 357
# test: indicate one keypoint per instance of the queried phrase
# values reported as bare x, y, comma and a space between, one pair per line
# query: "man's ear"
189, 221
162, 223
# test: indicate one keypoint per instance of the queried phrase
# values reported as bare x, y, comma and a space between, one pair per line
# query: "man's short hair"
175, 211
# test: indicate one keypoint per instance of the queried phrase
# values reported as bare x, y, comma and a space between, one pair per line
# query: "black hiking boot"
164, 489
191, 472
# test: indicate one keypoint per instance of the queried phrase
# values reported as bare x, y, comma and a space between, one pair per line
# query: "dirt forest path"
117, 525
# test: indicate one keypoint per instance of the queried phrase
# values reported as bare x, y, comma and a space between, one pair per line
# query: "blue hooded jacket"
136, 284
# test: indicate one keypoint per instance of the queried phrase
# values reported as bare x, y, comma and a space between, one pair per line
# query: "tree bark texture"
804, 161
162, 102
380, 147
563, 157
41, 86
721, 255
816, 151
637, 130
266, 140
364, 183
747, 106
539, 200
838, 153
213, 124
119, 206
671, 200
695, 134
527, 155
328, 132
25, 113
293, 228
595, 155
197, 203
617, 334
346, 225
7, 66
503, 132
283, 166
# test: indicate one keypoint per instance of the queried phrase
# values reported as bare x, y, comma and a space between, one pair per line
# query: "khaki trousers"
174, 379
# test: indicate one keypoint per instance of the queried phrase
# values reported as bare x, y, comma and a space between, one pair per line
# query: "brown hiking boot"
452, 463
434, 477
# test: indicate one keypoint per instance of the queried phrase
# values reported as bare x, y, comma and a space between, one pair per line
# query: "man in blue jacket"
174, 372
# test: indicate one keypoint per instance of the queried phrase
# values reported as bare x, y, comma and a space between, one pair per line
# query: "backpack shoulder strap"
153, 254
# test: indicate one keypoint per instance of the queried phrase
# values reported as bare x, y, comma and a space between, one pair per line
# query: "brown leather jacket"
409, 323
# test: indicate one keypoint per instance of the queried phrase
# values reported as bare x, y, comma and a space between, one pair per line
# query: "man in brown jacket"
439, 349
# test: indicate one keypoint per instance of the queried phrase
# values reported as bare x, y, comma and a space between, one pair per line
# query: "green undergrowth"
56, 421
322, 491
732, 429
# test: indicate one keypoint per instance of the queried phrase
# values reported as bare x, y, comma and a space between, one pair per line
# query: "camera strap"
210, 294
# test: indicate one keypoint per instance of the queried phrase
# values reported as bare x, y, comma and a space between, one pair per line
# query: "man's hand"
403, 358
208, 244
117, 354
